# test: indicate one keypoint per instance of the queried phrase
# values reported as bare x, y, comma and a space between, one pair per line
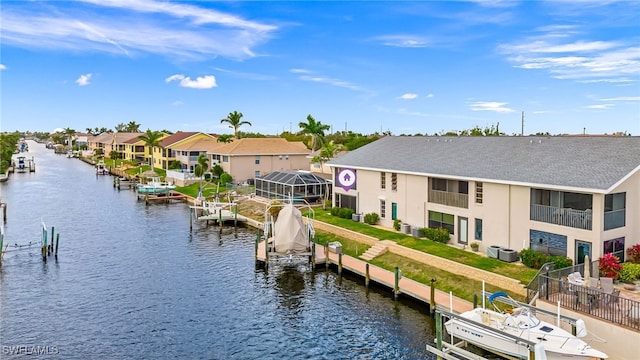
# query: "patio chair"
613, 299
606, 285
593, 282
575, 278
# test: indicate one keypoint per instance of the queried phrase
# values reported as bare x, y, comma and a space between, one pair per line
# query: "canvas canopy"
289, 232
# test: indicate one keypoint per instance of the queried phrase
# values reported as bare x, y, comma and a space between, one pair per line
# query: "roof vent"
539, 141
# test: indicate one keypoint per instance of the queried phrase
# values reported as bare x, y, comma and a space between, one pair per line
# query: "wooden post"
432, 299
438, 331
191, 210
367, 277
256, 245
475, 301
51, 245
44, 244
340, 263
326, 255
57, 241
396, 285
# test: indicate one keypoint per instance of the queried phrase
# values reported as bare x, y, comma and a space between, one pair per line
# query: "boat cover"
289, 232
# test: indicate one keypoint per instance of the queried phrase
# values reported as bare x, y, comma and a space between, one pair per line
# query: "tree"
315, 129
69, 132
121, 127
152, 140
133, 127
234, 120
226, 138
199, 171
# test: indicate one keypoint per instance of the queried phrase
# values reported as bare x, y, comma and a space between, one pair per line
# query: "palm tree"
151, 140
133, 127
225, 138
199, 171
315, 129
69, 132
234, 121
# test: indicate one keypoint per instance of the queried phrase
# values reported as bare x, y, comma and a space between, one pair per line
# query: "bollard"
367, 277
432, 302
396, 286
326, 255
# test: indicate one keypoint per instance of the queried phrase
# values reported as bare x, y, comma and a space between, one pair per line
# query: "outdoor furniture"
613, 299
606, 285
593, 283
575, 278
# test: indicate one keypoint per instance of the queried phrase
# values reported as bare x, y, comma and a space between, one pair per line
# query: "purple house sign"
347, 179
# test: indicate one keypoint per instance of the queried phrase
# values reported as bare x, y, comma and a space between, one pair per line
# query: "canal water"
132, 282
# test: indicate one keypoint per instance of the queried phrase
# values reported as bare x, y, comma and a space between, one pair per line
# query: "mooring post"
396, 286
57, 242
340, 263
51, 245
256, 245
367, 277
191, 219
326, 255
475, 301
44, 244
432, 299
439, 332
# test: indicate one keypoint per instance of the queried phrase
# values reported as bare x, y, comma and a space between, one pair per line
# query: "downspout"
509, 221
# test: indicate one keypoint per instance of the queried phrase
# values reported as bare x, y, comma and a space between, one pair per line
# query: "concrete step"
374, 251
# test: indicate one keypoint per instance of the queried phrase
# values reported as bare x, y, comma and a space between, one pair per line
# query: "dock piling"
57, 241
396, 286
432, 300
340, 263
367, 277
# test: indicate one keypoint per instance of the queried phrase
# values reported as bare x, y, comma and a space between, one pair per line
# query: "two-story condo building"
570, 195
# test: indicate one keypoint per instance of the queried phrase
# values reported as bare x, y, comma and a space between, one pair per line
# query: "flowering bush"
634, 253
535, 259
630, 272
610, 266
440, 235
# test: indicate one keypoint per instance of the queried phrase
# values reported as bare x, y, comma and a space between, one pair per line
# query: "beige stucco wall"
505, 211
243, 167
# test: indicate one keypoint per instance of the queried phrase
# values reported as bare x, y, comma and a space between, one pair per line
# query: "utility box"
415, 231
355, 217
492, 251
405, 228
508, 255
335, 247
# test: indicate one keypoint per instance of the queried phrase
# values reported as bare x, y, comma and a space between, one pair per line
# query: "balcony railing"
449, 198
580, 219
614, 219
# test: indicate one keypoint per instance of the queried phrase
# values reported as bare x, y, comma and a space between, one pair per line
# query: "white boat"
155, 186
101, 168
499, 332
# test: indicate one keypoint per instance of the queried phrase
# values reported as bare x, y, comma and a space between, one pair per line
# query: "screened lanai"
297, 184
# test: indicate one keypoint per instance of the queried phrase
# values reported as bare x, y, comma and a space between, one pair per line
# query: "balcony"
579, 219
449, 198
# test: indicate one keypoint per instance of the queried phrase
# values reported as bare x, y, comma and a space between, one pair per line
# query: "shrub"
371, 218
629, 273
344, 213
634, 253
535, 259
475, 245
440, 235
610, 266
396, 224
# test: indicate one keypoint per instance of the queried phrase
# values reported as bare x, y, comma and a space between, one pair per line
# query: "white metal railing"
580, 219
449, 198
179, 175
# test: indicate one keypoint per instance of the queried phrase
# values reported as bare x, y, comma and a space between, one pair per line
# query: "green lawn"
514, 271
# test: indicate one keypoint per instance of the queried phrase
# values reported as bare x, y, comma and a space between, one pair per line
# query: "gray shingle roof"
583, 162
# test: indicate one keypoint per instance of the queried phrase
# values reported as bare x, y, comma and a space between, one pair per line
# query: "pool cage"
287, 184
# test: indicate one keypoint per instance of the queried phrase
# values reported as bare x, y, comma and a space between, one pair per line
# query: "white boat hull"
556, 342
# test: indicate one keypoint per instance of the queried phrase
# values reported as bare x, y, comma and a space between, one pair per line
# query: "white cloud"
2, 67
623, 98
179, 31
299, 71
83, 80
600, 106
308, 76
201, 82
409, 96
177, 103
429, 96
498, 107
405, 41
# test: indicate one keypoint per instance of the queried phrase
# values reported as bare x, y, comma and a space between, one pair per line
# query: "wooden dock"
166, 197
406, 287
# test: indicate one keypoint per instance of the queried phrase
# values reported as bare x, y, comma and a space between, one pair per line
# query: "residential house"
249, 158
570, 196
168, 150
108, 142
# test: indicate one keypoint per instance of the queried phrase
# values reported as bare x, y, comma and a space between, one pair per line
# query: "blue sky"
365, 66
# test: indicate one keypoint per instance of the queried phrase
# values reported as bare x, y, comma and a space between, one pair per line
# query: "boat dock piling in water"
48, 248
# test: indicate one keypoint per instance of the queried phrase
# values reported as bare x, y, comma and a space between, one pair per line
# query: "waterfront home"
172, 146
566, 195
250, 158
108, 142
